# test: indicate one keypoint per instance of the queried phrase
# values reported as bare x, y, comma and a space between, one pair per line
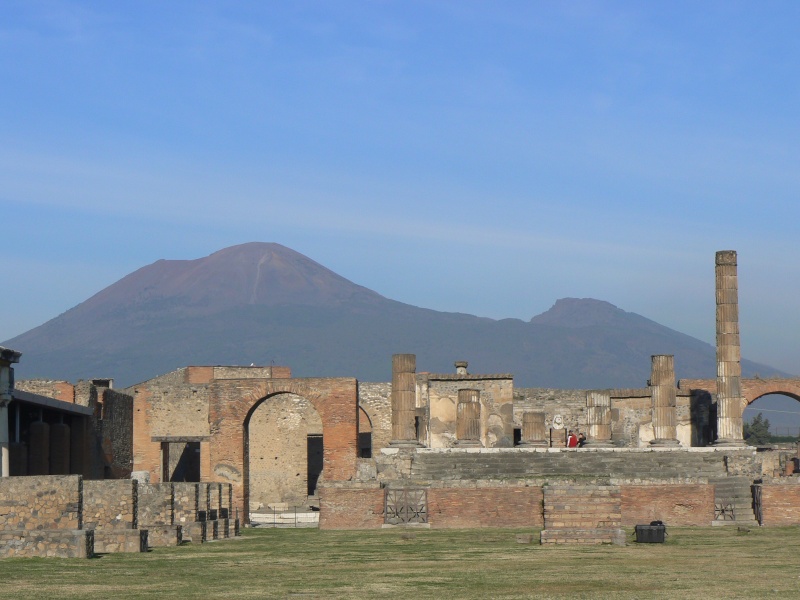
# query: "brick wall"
46, 502
109, 504
780, 503
375, 399
342, 508
689, 504
485, 507
59, 390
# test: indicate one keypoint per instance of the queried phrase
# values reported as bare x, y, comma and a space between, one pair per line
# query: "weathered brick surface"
485, 507
349, 508
582, 514
583, 536
780, 503
690, 504
59, 390
59, 543
213, 500
44, 502
110, 504
155, 505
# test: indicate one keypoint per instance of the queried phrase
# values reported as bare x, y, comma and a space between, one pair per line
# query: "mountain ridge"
265, 303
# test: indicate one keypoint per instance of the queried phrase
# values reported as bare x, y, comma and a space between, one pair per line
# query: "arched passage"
283, 450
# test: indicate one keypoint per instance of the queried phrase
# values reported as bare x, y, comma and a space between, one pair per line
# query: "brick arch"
752, 388
232, 402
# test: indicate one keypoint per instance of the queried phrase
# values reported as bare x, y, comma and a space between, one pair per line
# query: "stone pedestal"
729, 370
534, 431
662, 393
598, 413
468, 418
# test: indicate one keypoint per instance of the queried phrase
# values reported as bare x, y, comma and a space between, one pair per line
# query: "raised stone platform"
59, 543
120, 540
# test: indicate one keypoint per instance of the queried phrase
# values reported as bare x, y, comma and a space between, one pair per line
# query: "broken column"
729, 368
662, 393
598, 413
468, 418
534, 430
404, 400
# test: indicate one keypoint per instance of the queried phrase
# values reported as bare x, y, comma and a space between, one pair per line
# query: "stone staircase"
513, 464
733, 501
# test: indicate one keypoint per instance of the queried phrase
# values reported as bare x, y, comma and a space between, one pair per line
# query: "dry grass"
308, 563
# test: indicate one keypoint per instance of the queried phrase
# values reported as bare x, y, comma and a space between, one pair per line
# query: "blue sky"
481, 157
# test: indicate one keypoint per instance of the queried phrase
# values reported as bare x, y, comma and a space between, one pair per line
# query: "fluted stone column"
468, 418
404, 400
662, 392
598, 413
534, 431
729, 368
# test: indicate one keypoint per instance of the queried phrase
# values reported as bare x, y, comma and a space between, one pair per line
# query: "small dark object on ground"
650, 534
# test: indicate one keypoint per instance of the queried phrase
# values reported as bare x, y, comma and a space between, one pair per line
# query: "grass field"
718, 563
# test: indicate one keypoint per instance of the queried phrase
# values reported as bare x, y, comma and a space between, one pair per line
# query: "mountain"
264, 303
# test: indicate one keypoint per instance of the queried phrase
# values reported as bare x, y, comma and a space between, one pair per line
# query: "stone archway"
283, 450
231, 402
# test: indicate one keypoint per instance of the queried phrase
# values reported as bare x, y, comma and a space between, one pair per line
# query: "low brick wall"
678, 504
44, 502
582, 515
110, 504
60, 543
120, 540
349, 508
780, 504
485, 507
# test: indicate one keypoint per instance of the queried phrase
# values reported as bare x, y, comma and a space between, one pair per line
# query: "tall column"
7, 358
662, 392
468, 418
729, 368
534, 431
404, 400
598, 412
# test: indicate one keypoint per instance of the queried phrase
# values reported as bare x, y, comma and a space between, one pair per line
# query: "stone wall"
278, 450
375, 399
47, 502
438, 394
62, 543
677, 505
59, 390
155, 504
110, 504
570, 404
116, 431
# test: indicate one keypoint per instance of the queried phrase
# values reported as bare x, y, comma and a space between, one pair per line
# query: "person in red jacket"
572, 440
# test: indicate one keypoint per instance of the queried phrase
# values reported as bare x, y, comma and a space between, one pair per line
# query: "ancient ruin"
427, 449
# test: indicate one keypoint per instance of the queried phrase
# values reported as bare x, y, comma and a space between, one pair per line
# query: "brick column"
404, 400
662, 392
534, 431
598, 413
729, 368
468, 418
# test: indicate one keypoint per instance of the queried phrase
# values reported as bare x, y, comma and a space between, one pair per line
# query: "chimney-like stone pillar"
461, 367
662, 392
404, 400
598, 413
729, 368
534, 431
468, 418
